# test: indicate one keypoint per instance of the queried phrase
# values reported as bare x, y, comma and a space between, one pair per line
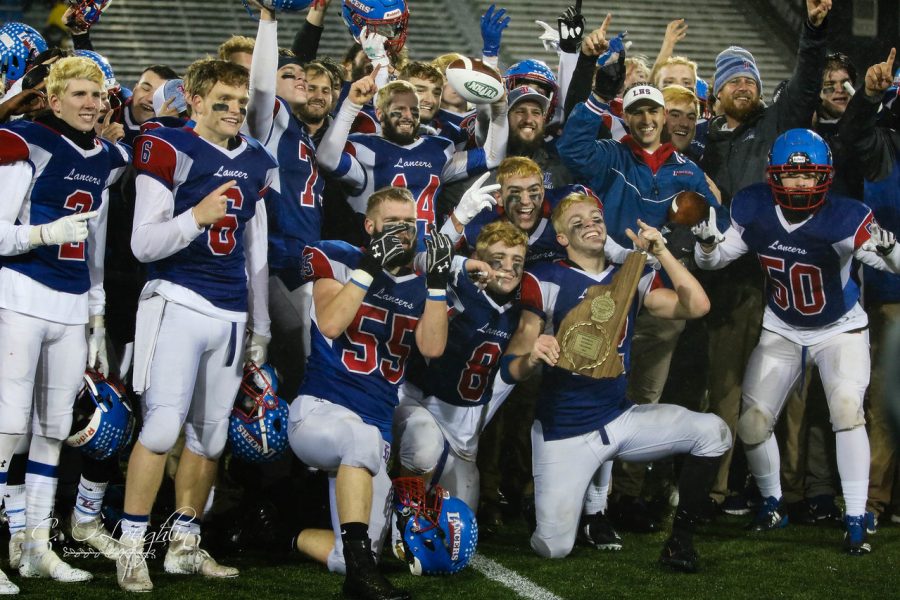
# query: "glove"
257, 349
475, 200
571, 28
383, 250
679, 239
492, 26
550, 37
707, 232
97, 357
67, 230
882, 240
609, 78
373, 44
438, 256
617, 45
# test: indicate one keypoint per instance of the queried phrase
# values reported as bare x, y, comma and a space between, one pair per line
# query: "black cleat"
679, 554
363, 580
597, 531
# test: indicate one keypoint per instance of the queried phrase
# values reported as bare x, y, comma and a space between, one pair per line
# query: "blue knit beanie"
735, 62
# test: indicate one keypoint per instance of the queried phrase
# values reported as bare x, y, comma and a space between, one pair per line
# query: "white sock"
186, 524
14, 500
134, 526
853, 458
765, 464
40, 494
597, 494
209, 500
89, 500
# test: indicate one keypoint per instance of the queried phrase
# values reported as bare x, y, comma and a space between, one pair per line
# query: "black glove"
679, 239
571, 28
384, 248
609, 78
438, 256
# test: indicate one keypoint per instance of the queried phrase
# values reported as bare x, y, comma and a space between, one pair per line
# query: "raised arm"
263, 73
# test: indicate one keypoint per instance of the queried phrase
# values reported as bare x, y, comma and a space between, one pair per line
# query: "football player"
806, 239
430, 83
582, 422
52, 234
200, 226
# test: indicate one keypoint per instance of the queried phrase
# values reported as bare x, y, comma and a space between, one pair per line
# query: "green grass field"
797, 562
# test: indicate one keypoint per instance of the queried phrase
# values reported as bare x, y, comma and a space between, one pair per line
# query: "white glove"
373, 44
882, 240
67, 230
707, 232
97, 357
257, 349
550, 37
475, 200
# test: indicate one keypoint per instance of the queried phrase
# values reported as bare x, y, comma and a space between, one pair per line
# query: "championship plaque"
590, 333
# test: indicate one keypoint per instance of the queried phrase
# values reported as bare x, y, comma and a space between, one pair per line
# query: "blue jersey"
362, 369
570, 404
807, 265
450, 130
213, 265
542, 244
479, 333
66, 180
294, 203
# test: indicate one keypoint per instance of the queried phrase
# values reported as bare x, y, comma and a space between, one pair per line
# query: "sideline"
520, 585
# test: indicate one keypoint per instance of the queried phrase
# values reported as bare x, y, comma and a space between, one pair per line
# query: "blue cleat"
855, 543
871, 522
770, 516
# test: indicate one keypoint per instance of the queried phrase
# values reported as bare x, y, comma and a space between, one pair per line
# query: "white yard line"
520, 585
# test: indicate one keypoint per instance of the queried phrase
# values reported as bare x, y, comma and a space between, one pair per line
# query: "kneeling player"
582, 422
447, 403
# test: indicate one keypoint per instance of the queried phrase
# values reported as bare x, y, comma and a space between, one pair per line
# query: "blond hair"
500, 231
678, 94
72, 67
671, 61
385, 194
202, 75
518, 166
386, 94
566, 203
236, 43
637, 63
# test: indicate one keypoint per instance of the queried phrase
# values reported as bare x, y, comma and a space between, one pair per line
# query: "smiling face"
645, 123
429, 94
400, 121
318, 98
290, 85
739, 97
79, 104
508, 262
582, 230
220, 114
142, 96
681, 123
526, 124
522, 198
834, 97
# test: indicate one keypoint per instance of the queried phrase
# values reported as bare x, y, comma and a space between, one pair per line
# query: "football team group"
368, 270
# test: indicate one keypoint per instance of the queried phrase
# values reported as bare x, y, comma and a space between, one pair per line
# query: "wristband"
361, 278
437, 295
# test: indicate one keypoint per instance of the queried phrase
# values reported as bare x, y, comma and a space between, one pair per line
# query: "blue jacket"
632, 184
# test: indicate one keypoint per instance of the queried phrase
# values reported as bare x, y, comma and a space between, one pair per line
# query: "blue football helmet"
800, 151
390, 18
87, 12
439, 532
534, 74
102, 421
109, 76
19, 44
258, 427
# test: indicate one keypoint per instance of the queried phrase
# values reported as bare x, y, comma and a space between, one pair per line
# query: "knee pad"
361, 446
14, 422
421, 445
160, 430
716, 438
755, 425
547, 549
846, 410
208, 443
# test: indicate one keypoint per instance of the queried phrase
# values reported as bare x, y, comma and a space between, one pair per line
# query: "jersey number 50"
799, 285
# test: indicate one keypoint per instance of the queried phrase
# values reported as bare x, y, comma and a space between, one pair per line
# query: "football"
475, 81
688, 208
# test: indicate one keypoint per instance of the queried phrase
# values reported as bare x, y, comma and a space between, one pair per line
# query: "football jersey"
363, 367
66, 180
421, 167
478, 335
570, 404
294, 202
132, 127
809, 283
213, 264
542, 244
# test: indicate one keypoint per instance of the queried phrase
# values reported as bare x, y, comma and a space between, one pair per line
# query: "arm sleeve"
306, 42
581, 82
157, 233
497, 136
263, 73
568, 62
330, 152
256, 247
801, 96
724, 253
16, 178
96, 257
578, 147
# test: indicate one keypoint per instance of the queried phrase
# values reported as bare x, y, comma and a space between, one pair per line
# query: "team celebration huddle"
431, 293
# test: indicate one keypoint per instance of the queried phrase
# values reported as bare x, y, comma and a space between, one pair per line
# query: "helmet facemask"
804, 199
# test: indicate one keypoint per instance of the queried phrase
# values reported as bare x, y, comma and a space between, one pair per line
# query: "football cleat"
363, 580
678, 553
871, 522
597, 531
185, 557
855, 543
770, 516
131, 566
94, 534
736, 505
15, 549
47, 564
7, 587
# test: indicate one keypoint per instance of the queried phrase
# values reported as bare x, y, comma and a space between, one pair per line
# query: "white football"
475, 81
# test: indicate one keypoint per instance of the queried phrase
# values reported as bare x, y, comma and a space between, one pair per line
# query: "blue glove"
617, 45
492, 26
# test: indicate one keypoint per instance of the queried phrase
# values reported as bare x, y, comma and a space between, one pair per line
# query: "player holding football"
582, 422
806, 239
200, 226
52, 232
